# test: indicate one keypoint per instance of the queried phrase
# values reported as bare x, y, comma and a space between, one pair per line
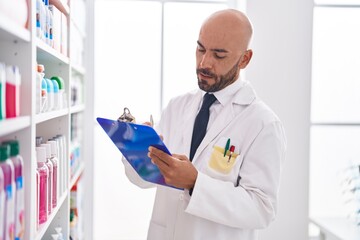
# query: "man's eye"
219, 57
201, 50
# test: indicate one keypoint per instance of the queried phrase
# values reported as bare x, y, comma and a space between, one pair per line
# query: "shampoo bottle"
2, 90
2, 203
51, 175
43, 172
55, 161
8, 170
18, 163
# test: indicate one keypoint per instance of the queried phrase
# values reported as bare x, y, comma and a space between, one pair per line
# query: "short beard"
220, 81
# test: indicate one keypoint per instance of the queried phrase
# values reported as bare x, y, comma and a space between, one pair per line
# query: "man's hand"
177, 170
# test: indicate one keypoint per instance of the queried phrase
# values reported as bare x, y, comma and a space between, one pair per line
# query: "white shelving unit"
21, 47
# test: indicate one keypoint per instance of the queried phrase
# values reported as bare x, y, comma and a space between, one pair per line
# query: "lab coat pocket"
221, 162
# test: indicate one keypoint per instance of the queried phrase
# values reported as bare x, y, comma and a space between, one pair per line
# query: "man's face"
220, 55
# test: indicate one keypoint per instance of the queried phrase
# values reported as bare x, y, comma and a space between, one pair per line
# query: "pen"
232, 149
151, 120
227, 146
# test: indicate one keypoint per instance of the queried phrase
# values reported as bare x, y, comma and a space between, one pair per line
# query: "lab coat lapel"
189, 119
223, 120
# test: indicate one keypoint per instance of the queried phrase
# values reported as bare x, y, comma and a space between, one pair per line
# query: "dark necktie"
201, 122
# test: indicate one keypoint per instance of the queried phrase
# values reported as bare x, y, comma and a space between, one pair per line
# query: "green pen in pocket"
227, 146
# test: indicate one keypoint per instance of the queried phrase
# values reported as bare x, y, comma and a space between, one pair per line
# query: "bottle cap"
14, 147
47, 148
41, 154
59, 80
38, 141
55, 85
50, 86
40, 68
4, 152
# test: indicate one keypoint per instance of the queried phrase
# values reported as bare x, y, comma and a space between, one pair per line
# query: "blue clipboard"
133, 141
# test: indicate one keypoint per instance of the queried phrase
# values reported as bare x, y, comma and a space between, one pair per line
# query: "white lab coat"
222, 206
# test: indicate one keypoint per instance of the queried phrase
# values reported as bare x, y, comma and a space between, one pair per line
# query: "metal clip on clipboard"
126, 116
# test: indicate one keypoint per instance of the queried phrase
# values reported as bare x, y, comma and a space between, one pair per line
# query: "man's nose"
206, 61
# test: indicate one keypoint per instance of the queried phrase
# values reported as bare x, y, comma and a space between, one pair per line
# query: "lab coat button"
181, 196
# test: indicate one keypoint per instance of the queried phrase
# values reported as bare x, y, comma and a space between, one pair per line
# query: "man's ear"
246, 58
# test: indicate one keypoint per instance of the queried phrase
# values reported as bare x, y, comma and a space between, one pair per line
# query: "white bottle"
50, 93
39, 32
39, 94
43, 20
56, 95
55, 161
61, 169
64, 161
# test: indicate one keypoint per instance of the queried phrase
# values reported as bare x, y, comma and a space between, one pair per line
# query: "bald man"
227, 146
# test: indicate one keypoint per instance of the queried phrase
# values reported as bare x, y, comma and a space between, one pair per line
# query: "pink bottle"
2, 204
55, 162
51, 175
12, 92
9, 184
19, 191
43, 172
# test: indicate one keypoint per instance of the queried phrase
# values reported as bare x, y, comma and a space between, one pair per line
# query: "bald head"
231, 26
222, 49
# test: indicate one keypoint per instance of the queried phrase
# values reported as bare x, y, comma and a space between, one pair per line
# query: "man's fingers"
180, 157
161, 155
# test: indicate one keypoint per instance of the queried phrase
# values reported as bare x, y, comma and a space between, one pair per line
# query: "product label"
9, 223
2, 212
19, 210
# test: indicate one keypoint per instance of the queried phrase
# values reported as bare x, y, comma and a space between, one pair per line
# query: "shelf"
11, 125
337, 228
42, 117
333, 124
49, 54
77, 108
77, 175
11, 31
78, 69
44, 227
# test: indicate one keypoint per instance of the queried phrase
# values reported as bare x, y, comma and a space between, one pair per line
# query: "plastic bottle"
43, 172
43, 20
37, 198
61, 84
13, 81
39, 32
8, 170
2, 90
48, 22
18, 163
39, 90
50, 93
64, 161
38, 141
55, 161
2, 203
44, 95
60, 164
56, 95
51, 175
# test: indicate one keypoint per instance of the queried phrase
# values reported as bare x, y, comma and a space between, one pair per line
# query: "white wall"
281, 73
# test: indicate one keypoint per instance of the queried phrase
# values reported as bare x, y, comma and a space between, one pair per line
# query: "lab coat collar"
244, 93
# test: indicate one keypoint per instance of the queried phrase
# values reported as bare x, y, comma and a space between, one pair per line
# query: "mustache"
205, 72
